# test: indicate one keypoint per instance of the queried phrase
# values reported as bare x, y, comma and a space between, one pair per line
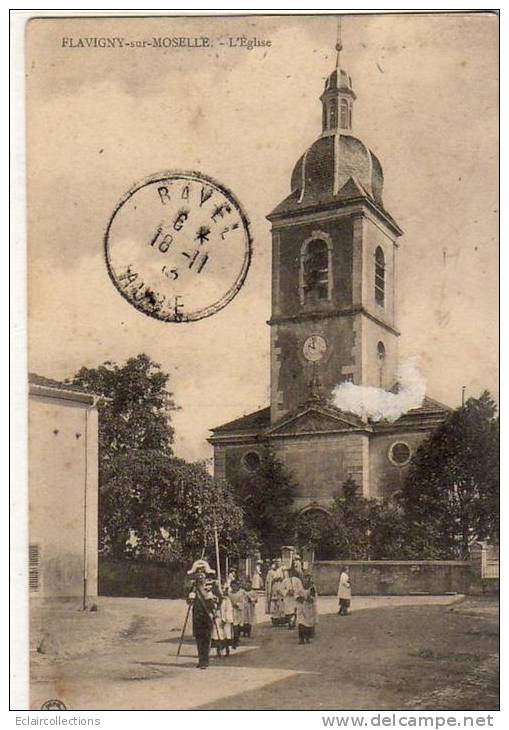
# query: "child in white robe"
238, 599
306, 613
222, 629
250, 601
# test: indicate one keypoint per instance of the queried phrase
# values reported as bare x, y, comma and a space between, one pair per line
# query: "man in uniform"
204, 601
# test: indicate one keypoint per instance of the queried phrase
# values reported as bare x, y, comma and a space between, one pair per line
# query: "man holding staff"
203, 600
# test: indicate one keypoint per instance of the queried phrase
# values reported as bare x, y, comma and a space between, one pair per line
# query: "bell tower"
334, 251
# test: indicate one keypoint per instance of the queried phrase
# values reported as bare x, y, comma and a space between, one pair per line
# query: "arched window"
344, 114
380, 351
379, 277
333, 114
349, 116
315, 271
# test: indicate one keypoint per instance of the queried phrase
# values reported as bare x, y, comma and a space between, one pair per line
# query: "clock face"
314, 348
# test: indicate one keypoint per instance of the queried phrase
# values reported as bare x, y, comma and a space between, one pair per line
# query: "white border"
18, 384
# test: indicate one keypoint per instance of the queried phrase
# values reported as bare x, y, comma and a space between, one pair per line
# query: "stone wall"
393, 578
143, 579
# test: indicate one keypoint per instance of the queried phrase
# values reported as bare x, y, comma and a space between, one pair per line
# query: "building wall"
374, 371
374, 236
387, 477
352, 337
321, 464
318, 464
291, 373
63, 468
286, 269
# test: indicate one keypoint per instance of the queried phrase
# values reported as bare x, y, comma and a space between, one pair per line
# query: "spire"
338, 96
339, 48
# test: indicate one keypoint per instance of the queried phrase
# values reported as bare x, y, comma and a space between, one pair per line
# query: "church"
334, 320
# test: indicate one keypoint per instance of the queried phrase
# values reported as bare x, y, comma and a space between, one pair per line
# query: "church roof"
428, 415
348, 167
256, 421
327, 417
337, 167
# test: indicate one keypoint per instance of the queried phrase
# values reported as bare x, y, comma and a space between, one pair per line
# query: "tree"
356, 528
316, 530
166, 509
352, 519
451, 494
267, 498
389, 537
151, 504
137, 415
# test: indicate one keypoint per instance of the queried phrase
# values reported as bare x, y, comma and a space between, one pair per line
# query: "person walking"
257, 580
222, 631
249, 609
306, 609
290, 588
268, 585
276, 599
204, 602
238, 599
344, 591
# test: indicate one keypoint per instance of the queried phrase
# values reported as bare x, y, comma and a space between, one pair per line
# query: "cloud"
377, 404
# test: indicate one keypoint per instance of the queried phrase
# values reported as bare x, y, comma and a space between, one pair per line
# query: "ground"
414, 653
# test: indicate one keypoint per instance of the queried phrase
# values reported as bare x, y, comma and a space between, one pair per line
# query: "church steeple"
338, 96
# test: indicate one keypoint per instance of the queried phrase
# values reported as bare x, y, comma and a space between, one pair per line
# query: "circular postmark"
53, 705
178, 246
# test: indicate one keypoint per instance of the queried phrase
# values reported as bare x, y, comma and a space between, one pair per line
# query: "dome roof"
326, 167
338, 168
345, 81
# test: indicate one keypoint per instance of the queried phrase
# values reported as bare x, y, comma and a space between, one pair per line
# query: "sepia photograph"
263, 361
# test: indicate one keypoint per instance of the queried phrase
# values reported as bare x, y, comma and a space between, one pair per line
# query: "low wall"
138, 578
395, 577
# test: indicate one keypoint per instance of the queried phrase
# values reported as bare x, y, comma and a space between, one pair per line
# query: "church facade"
334, 320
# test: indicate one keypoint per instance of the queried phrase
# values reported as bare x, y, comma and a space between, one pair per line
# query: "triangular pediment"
315, 419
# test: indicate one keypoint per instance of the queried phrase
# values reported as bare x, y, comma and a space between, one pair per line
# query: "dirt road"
389, 655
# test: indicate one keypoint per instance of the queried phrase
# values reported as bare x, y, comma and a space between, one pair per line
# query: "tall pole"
463, 389
85, 525
216, 541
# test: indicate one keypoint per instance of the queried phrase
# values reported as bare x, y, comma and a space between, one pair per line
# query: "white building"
63, 490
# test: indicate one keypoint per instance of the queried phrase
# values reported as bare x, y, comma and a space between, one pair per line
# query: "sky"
100, 120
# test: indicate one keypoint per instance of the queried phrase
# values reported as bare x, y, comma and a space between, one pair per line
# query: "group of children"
291, 600
222, 614
234, 614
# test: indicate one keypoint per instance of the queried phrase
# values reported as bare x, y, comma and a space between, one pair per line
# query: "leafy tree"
166, 509
451, 494
352, 519
389, 538
267, 498
151, 504
138, 412
316, 530
356, 528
